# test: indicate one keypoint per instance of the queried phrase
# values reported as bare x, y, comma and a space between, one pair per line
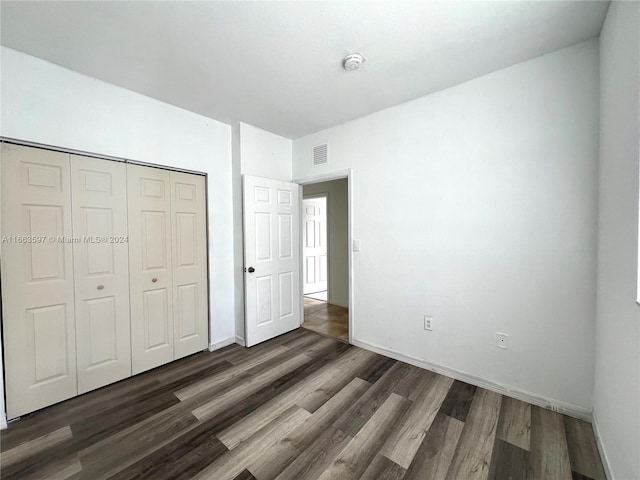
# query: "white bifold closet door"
37, 279
101, 271
104, 272
168, 265
190, 298
150, 266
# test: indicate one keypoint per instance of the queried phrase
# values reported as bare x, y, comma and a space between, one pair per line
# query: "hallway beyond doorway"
326, 319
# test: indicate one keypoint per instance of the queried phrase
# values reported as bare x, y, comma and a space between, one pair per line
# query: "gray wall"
617, 378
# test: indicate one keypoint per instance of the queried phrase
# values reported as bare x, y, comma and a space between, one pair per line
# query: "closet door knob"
100, 287
251, 269
154, 279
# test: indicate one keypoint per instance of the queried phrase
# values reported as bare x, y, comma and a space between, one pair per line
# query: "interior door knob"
154, 280
251, 269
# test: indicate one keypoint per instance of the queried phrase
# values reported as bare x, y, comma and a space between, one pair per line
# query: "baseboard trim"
240, 341
3, 420
221, 344
548, 403
603, 452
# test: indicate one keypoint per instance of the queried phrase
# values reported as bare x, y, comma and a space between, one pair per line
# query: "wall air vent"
321, 154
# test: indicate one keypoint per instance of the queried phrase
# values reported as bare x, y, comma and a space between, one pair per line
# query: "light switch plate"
356, 245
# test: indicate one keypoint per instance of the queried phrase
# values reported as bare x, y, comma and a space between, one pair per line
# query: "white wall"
3, 415
617, 372
263, 154
44, 103
338, 237
477, 205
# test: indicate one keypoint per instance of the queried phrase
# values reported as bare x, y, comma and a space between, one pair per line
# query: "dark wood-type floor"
327, 319
300, 406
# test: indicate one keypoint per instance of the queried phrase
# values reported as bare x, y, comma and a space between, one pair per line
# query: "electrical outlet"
502, 340
428, 323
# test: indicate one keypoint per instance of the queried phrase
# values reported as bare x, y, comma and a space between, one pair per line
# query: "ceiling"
277, 65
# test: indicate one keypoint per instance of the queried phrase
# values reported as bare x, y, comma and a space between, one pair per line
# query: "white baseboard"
240, 341
601, 449
222, 343
548, 403
3, 420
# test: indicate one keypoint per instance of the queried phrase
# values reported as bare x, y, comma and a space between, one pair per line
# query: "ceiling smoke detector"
352, 62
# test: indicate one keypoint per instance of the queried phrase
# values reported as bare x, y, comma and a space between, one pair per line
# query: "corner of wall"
221, 344
603, 453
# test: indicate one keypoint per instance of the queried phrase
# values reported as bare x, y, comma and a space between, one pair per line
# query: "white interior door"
101, 271
314, 243
151, 291
37, 279
190, 311
271, 258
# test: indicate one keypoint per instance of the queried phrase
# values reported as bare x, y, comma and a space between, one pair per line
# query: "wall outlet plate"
502, 340
428, 323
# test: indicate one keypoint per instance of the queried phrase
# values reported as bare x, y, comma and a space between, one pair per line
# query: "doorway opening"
325, 258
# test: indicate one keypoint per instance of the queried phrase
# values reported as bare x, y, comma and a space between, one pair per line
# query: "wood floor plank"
249, 405
583, 450
251, 385
235, 461
356, 456
381, 468
107, 457
579, 476
35, 446
43, 463
189, 365
473, 455
317, 457
235, 371
414, 382
59, 415
180, 459
406, 438
63, 470
375, 369
458, 400
335, 374
281, 411
95, 428
303, 340
284, 451
58, 469
321, 389
320, 345
433, 458
509, 462
549, 452
245, 475
361, 411
514, 425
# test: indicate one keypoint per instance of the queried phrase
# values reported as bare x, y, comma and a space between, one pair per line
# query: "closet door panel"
190, 292
150, 265
37, 273
101, 271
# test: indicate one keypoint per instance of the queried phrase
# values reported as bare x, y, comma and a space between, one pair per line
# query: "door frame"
327, 177
324, 195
